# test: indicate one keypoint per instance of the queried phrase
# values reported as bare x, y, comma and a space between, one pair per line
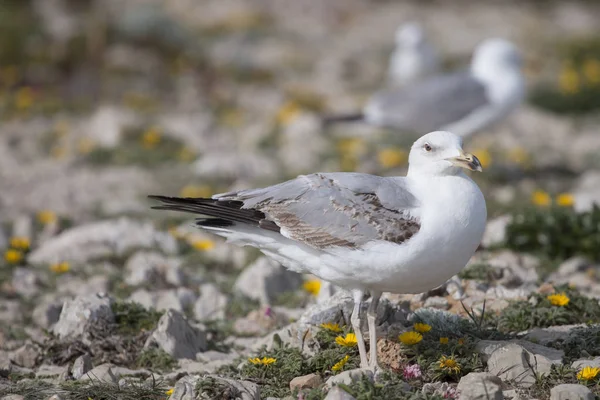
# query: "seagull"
463, 102
413, 58
362, 232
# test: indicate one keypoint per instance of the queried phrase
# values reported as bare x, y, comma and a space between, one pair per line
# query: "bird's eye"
427, 147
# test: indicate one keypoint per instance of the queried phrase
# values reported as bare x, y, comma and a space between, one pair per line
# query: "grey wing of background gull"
336, 209
428, 105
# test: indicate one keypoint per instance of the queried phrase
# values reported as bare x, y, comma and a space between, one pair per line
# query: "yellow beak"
468, 161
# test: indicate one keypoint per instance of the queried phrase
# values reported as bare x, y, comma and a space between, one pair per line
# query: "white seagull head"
495, 56
410, 35
440, 153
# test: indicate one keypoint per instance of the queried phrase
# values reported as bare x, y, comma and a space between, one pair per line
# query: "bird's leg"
371, 318
355, 320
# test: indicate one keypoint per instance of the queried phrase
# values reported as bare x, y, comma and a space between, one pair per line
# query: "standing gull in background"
463, 102
413, 58
361, 232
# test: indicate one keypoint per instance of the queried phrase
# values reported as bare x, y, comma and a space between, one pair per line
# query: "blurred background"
103, 102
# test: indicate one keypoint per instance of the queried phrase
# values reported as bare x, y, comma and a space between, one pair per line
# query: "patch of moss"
292, 299
131, 318
555, 232
538, 311
274, 379
31, 389
581, 342
134, 150
101, 390
479, 272
155, 359
210, 388
216, 333
240, 305
389, 386
18, 376
559, 374
585, 100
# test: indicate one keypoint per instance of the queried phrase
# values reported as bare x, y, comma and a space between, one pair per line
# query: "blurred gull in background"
463, 102
413, 58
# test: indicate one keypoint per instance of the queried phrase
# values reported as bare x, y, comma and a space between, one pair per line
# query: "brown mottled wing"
336, 209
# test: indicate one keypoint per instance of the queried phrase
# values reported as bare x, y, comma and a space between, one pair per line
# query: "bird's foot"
374, 368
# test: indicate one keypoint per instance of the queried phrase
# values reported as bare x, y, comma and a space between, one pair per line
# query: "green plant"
211, 388
587, 99
389, 386
538, 311
131, 318
478, 271
581, 342
556, 232
156, 359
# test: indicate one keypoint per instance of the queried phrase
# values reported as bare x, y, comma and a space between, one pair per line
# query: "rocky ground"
103, 103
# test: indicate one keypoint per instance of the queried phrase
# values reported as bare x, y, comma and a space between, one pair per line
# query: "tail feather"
222, 213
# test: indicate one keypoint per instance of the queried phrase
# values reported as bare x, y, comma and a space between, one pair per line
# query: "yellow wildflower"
350, 146
541, 198
565, 200
410, 338
588, 373
287, 113
203, 244
391, 158
449, 364
85, 145
421, 328
484, 156
196, 191
13, 256
151, 138
232, 118
349, 340
174, 231
348, 163
312, 286
61, 127
591, 71
46, 217
519, 156
568, 80
558, 299
19, 242
60, 268
262, 361
58, 152
186, 154
340, 364
444, 340
24, 98
170, 391
331, 327
461, 341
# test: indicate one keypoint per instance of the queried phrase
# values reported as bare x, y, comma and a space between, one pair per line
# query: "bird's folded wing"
336, 209
428, 105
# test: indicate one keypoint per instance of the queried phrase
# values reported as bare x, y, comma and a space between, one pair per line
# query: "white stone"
347, 377
79, 314
211, 303
480, 386
265, 280
571, 392
177, 337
